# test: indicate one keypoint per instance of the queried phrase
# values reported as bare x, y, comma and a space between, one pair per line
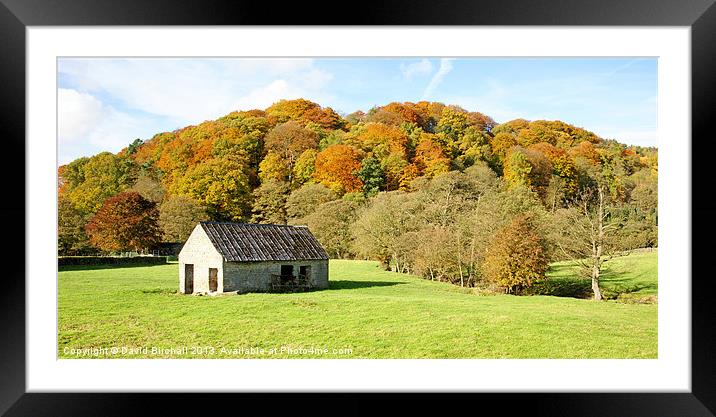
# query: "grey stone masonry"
200, 254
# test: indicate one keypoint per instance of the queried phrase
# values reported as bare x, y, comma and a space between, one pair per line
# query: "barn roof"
239, 242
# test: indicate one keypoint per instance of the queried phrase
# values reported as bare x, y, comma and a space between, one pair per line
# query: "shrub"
517, 256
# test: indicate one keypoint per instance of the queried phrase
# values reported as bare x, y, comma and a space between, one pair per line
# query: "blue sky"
103, 104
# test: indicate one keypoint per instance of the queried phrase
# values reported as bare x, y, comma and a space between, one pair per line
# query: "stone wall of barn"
200, 252
256, 276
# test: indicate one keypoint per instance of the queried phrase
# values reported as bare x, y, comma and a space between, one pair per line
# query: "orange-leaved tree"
126, 221
336, 167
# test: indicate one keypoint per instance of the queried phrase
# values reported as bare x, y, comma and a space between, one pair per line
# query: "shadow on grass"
619, 282
351, 285
562, 270
162, 291
564, 282
562, 287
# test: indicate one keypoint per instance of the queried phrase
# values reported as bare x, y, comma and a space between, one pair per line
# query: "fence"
289, 283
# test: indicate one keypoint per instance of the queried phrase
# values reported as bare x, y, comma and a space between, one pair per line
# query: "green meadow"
135, 312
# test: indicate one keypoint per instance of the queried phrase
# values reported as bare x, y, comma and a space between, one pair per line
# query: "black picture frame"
16, 15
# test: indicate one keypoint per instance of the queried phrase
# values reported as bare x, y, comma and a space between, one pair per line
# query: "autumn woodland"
425, 188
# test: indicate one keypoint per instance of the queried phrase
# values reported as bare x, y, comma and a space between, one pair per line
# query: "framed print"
219, 207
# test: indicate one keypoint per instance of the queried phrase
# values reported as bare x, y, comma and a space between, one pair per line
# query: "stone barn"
225, 257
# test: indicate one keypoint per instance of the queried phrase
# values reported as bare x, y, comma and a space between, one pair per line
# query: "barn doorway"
188, 278
304, 273
213, 279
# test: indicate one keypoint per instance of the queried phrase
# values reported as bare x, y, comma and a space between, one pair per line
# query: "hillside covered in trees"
423, 187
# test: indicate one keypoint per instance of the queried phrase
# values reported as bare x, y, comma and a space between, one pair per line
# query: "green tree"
244, 133
394, 167
71, 236
148, 187
331, 224
87, 182
495, 208
450, 245
372, 175
642, 212
528, 168
306, 199
178, 216
270, 202
132, 148
381, 229
334, 137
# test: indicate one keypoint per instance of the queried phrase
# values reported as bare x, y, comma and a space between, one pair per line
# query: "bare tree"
588, 233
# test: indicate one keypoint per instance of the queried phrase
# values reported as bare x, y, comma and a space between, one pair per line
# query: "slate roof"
239, 242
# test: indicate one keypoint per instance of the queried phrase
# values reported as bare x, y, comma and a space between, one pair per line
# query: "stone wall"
200, 252
256, 276
238, 276
110, 260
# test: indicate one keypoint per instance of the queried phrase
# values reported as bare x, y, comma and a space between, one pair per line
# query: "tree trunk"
595, 284
597, 265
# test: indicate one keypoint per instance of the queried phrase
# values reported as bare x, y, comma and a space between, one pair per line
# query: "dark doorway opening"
213, 279
188, 278
287, 281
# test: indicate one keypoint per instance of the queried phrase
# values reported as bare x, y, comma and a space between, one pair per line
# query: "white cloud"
118, 130
422, 67
113, 101
87, 126
265, 96
445, 68
314, 79
78, 114
190, 90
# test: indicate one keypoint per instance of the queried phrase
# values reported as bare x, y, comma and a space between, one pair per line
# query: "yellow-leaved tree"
516, 256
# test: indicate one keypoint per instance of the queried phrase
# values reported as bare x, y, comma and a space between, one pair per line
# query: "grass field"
630, 278
366, 313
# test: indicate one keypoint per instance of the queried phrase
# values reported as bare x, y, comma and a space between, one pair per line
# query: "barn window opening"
287, 271
304, 271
